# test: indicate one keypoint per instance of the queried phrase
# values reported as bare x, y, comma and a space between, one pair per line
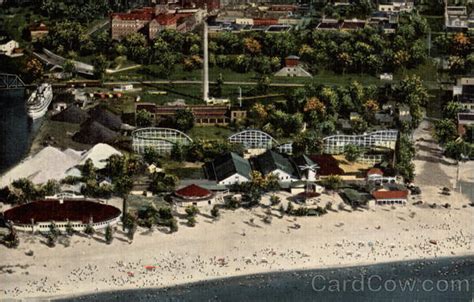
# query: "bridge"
57, 61
10, 81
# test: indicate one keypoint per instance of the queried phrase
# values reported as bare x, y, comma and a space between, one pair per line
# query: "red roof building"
203, 114
192, 194
390, 197
264, 22
40, 214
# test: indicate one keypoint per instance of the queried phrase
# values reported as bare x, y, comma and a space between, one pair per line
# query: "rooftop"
390, 194
193, 191
55, 210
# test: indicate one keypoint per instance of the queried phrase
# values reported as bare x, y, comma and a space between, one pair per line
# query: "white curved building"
160, 139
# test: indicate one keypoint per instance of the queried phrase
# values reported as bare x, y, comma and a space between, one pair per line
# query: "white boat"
39, 101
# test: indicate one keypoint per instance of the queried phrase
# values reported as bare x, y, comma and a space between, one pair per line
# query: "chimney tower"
205, 77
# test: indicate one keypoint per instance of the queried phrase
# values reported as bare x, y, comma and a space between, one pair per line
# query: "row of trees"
446, 132
367, 50
23, 191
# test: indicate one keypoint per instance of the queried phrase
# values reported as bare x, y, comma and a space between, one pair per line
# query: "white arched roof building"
335, 144
160, 139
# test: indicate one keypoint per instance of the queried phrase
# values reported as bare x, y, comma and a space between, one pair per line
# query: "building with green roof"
228, 169
274, 163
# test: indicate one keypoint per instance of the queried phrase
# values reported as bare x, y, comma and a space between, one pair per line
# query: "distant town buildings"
38, 31
456, 18
292, 68
269, 17
151, 20
463, 92
203, 114
396, 6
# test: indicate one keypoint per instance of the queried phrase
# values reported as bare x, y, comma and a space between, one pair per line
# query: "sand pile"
49, 163
106, 118
93, 132
52, 163
99, 155
71, 114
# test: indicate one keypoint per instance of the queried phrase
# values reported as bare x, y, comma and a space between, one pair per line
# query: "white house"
274, 163
228, 169
8, 47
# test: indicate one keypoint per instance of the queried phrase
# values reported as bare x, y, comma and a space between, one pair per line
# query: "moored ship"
39, 101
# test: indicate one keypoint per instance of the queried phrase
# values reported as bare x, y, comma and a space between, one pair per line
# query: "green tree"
412, 92
333, 182
69, 229
100, 64
162, 182
50, 188
150, 155
178, 152
184, 120
137, 48
89, 230
122, 185
109, 234
452, 109
173, 225
404, 155
192, 210
144, 118
28, 190
215, 211
445, 130
68, 66
352, 152
11, 240
88, 170
191, 221
458, 149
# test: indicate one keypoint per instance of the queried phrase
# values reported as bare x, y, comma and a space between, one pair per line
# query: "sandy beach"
236, 244
240, 242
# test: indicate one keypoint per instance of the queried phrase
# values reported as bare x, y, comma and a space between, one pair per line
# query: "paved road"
97, 27
184, 82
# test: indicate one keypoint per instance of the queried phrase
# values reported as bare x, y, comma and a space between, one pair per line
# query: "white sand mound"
52, 163
49, 163
99, 155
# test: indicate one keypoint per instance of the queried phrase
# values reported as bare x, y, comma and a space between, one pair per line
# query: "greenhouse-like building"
160, 139
253, 139
386, 139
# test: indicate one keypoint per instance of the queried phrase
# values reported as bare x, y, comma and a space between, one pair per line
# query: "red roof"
374, 171
390, 194
132, 16
166, 19
328, 165
193, 191
53, 210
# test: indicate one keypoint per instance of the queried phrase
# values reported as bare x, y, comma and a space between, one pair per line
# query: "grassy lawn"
209, 133
179, 169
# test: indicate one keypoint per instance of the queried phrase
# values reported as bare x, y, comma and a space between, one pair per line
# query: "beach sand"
240, 243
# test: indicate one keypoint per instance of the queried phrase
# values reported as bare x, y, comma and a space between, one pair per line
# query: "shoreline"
237, 244
197, 283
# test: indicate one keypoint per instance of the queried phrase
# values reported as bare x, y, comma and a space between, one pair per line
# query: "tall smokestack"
205, 89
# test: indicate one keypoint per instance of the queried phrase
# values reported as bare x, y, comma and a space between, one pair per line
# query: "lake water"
448, 279
16, 129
